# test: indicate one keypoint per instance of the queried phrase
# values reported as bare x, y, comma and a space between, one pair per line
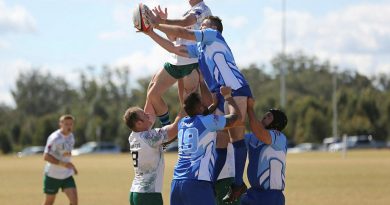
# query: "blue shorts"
262, 197
192, 192
243, 91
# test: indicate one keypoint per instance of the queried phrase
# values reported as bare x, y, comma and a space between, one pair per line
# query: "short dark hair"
280, 120
192, 102
131, 117
216, 21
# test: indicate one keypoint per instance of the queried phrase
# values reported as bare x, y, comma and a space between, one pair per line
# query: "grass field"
363, 177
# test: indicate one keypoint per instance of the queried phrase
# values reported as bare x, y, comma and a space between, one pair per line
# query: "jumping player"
59, 169
267, 148
217, 65
177, 67
193, 174
147, 154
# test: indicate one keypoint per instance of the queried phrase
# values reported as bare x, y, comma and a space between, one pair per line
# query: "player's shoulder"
277, 134
54, 135
278, 138
201, 6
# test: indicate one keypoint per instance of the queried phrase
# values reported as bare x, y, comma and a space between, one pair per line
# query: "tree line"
98, 102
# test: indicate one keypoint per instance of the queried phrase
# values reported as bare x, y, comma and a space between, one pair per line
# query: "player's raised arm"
167, 45
170, 30
161, 18
235, 115
257, 127
172, 129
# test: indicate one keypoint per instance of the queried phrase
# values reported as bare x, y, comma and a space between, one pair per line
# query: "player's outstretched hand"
160, 13
226, 91
152, 18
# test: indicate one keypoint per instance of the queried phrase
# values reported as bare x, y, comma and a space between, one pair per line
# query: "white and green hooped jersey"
148, 160
60, 147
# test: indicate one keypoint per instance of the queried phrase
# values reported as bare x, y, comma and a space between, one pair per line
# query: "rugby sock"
164, 119
240, 152
219, 162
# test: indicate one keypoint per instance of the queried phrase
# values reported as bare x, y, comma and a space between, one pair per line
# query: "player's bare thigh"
237, 133
49, 199
71, 193
191, 82
161, 82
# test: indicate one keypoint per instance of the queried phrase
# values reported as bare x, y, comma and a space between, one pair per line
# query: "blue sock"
240, 152
219, 162
164, 119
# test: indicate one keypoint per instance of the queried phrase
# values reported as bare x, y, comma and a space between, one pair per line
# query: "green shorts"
179, 71
145, 198
222, 188
51, 185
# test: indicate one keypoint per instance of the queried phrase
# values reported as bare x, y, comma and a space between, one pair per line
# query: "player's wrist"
227, 96
61, 163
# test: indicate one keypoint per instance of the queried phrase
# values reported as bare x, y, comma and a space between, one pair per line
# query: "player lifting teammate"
217, 65
148, 159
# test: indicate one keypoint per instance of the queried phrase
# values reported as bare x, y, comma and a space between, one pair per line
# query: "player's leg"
197, 192
146, 198
50, 188
222, 187
148, 108
240, 150
49, 199
263, 197
159, 85
71, 193
176, 192
191, 83
70, 190
221, 149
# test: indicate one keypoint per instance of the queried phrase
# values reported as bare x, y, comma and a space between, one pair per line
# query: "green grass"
363, 177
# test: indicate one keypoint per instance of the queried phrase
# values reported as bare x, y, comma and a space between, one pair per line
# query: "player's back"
267, 163
197, 139
218, 62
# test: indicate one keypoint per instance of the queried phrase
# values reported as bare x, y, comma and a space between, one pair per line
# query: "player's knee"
73, 201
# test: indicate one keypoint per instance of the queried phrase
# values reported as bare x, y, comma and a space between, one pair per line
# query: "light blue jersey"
216, 61
267, 163
197, 139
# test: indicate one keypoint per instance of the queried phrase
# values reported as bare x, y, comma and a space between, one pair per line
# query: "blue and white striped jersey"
216, 61
267, 163
197, 139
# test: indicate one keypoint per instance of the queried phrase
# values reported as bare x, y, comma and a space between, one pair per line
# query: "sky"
65, 37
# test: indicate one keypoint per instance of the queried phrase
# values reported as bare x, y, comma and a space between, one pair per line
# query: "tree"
38, 94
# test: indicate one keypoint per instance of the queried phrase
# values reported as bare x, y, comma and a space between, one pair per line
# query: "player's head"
137, 120
213, 22
66, 124
193, 105
274, 119
194, 2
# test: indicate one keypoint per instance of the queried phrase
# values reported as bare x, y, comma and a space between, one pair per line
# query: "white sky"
64, 37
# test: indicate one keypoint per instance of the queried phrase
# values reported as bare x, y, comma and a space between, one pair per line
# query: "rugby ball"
139, 19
